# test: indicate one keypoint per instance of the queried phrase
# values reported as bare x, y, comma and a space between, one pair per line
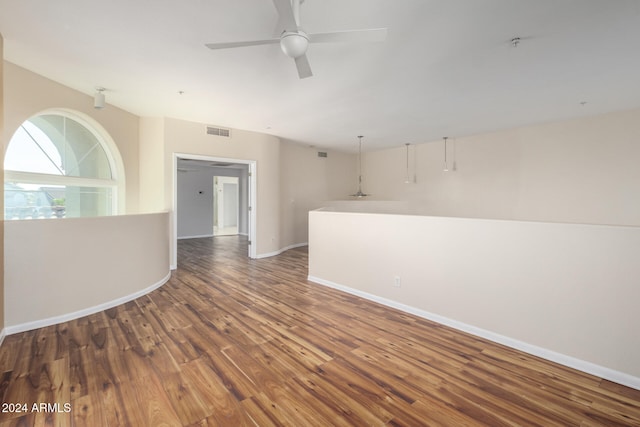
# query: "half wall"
61, 269
565, 292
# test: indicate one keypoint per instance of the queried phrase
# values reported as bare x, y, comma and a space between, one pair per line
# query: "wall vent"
226, 133
322, 154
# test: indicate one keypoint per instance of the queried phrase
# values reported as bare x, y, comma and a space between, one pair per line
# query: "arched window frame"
117, 181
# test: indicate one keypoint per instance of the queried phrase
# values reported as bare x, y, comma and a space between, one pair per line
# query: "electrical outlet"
396, 282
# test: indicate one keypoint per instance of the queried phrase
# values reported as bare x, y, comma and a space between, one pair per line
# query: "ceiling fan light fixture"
294, 44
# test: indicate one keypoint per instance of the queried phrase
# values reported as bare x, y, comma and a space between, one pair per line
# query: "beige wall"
27, 94
563, 291
83, 265
191, 138
582, 171
306, 183
291, 179
151, 167
147, 146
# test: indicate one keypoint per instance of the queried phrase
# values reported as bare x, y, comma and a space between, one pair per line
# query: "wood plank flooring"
230, 341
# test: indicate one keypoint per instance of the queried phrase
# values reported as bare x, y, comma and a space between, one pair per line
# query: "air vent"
322, 154
226, 133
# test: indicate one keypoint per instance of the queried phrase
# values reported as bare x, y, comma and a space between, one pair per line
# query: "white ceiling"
446, 69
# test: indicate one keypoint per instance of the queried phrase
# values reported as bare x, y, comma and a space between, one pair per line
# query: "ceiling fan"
294, 41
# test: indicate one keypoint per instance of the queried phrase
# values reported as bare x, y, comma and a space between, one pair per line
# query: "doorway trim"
252, 196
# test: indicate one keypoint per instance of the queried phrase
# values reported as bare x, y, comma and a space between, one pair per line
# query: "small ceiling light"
515, 41
359, 193
98, 98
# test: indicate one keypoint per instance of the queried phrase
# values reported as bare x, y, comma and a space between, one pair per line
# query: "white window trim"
44, 178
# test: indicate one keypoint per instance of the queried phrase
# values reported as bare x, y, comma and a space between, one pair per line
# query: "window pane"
31, 201
31, 150
88, 201
57, 166
25, 201
82, 154
57, 145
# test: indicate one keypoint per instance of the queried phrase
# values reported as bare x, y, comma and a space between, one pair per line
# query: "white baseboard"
84, 312
3, 333
562, 359
278, 252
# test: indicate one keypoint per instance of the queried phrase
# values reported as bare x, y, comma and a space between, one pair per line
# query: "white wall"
195, 209
83, 265
566, 292
582, 171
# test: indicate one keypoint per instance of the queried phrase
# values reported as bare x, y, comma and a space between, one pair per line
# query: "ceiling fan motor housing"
294, 44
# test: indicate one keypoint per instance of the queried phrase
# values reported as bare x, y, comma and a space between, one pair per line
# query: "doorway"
226, 205
186, 164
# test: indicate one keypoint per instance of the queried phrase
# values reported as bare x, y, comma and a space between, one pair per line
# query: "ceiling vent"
322, 154
226, 133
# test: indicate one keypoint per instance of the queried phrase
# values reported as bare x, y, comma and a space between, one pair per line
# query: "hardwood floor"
230, 341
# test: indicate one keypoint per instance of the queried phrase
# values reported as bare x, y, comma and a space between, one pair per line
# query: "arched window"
58, 165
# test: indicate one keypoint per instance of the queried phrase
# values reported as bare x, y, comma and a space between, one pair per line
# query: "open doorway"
226, 205
194, 195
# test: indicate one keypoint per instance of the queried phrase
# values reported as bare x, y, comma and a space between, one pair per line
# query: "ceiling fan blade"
229, 45
287, 18
371, 35
303, 66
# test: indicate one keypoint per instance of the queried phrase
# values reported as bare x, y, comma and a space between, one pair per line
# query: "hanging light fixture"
359, 193
446, 166
407, 179
98, 98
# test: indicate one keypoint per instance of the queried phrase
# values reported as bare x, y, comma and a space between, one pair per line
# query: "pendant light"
359, 193
446, 166
407, 179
